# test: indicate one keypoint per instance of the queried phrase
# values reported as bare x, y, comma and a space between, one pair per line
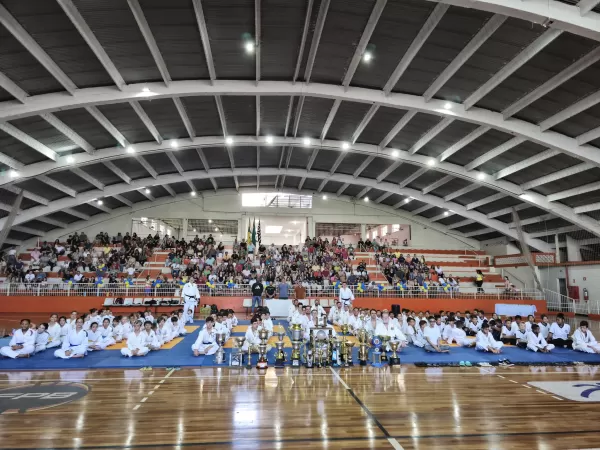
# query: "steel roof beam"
397, 128
118, 172
88, 35
10, 162
30, 195
462, 191
169, 189
148, 195
465, 54
68, 132
257, 38
330, 117
28, 230
437, 184
512, 66
504, 211
364, 192
441, 216
464, 223
205, 39
102, 207
533, 220
364, 122
322, 185
480, 232
146, 165
575, 191
102, 120
382, 176
573, 110
585, 6
58, 186
77, 214
11, 87
123, 200
431, 134
463, 142
409, 179
422, 209
418, 42
569, 171
521, 165
146, 121
87, 177
485, 201
363, 166
342, 188
316, 38
495, 152
383, 196
28, 140
562, 230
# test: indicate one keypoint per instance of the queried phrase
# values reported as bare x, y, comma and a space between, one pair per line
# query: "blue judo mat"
181, 356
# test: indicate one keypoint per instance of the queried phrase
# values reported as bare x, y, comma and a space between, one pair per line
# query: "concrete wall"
227, 205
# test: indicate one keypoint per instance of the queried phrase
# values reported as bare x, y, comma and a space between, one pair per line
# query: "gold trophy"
363, 351
296, 341
236, 357
349, 346
384, 342
394, 359
262, 363
343, 350
279, 354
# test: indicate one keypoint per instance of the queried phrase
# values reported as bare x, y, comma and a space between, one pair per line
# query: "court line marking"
525, 386
541, 392
558, 398
395, 444
337, 375
150, 393
143, 400
500, 376
136, 407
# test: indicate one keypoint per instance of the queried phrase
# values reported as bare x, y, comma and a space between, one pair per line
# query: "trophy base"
279, 363
384, 359
363, 363
349, 364
295, 363
394, 361
262, 364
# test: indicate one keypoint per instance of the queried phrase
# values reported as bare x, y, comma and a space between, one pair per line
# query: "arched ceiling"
464, 110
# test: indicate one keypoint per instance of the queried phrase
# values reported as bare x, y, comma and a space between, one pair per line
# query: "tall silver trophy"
236, 357
220, 355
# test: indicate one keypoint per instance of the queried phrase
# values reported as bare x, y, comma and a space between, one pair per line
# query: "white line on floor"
513, 381
528, 387
500, 376
144, 400
150, 393
136, 407
156, 387
162, 381
395, 444
169, 374
557, 398
541, 392
337, 375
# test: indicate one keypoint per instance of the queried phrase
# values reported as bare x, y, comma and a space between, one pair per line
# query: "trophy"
343, 352
219, 355
297, 332
349, 346
336, 358
262, 363
295, 353
376, 355
394, 359
236, 357
384, 343
279, 354
321, 347
363, 351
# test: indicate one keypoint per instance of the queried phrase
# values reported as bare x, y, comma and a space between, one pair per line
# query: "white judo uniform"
41, 341
485, 341
122, 330
135, 342
26, 339
191, 297
75, 341
585, 342
252, 339
391, 330
458, 335
537, 342
205, 340
94, 338
107, 337
54, 335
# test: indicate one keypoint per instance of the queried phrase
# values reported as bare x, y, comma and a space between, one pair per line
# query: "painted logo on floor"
33, 397
579, 391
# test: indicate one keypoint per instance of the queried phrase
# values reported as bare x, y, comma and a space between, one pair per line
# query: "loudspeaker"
396, 310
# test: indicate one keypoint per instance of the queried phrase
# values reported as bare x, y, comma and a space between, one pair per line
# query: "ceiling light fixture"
269, 139
406, 200
367, 57
100, 202
431, 162
209, 220
395, 153
174, 144
446, 213
345, 145
229, 140
13, 174
366, 199
249, 46
70, 159
193, 193
481, 176
216, 229
130, 149
306, 141
447, 105
147, 191
324, 197
194, 230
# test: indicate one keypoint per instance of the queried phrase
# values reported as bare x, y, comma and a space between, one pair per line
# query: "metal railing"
244, 290
557, 302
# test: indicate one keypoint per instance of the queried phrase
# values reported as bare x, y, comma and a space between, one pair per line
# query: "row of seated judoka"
76, 336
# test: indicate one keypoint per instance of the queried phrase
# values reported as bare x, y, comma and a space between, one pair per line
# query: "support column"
311, 227
240, 233
363, 231
573, 250
12, 215
556, 243
184, 229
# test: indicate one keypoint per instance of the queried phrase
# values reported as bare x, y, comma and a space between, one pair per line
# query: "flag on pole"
254, 231
249, 236
259, 234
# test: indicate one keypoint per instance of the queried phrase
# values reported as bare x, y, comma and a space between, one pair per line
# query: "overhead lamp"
216, 229
395, 153
345, 145
249, 46
367, 56
130, 149
229, 140
269, 139
13, 174
447, 105
209, 220
147, 191
193, 193
70, 159
174, 144
446, 213
99, 202
431, 162
481, 175
306, 141
406, 200
194, 230
324, 197
366, 199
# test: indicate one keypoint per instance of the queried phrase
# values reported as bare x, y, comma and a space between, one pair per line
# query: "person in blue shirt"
283, 290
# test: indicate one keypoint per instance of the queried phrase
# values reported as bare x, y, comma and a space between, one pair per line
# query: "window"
276, 200
374, 234
384, 230
395, 227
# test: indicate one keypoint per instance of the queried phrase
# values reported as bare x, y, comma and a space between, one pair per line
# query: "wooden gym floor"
357, 408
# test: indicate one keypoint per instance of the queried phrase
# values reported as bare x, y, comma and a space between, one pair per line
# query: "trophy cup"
297, 332
219, 355
335, 352
309, 359
295, 353
349, 346
279, 354
363, 351
262, 363
343, 351
320, 346
376, 355
394, 359
384, 343
236, 357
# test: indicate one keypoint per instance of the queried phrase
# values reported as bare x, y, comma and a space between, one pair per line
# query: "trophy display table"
278, 308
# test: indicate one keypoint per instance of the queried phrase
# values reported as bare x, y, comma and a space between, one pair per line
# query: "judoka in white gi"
252, 339
536, 342
455, 333
292, 310
583, 339
335, 313
75, 343
355, 322
152, 341
54, 332
136, 342
123, 329
22, 343
191, 297
346, 295
94, 337
206, 343
486, 342
106, 331
41, 338
387, 328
